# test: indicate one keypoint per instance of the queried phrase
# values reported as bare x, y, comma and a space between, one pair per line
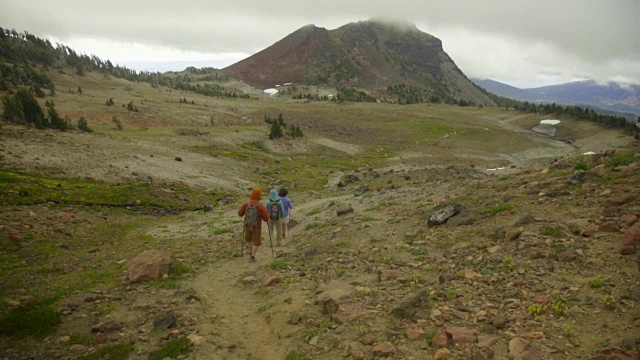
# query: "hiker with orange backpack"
254, 213
276, 213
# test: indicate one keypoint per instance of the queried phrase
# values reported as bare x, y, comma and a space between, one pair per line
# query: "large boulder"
442, 213
465, 217
149, 265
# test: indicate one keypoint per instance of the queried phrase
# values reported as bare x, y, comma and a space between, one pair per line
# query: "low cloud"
525, 40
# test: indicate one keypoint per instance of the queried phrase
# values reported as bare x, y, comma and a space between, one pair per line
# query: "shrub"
555, 231
34, 319
596, 283
498, 209
280, 265
115, 352
83, 125
116, 121
581, 166
172, 349
620, 160
132, 107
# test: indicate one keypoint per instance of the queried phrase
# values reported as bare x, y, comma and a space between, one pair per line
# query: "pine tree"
55, 120
31, 109
276, 130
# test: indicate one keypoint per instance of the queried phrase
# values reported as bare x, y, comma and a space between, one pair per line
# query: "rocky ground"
406, 262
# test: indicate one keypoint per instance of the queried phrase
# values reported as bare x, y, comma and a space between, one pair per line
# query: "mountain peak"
372, 55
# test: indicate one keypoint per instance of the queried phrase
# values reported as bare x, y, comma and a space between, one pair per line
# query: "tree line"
20, 52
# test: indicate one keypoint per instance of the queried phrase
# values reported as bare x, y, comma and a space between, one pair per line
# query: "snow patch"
549, 122
270, 91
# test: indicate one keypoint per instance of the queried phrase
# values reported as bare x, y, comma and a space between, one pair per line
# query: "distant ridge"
614, 97
370, 55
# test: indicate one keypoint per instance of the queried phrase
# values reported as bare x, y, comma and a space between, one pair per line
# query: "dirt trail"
238, 317
232, 314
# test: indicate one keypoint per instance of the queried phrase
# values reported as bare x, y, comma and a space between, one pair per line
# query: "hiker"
288, 206
276, 212
254, 213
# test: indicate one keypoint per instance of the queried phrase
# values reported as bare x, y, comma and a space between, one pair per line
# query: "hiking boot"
253, 258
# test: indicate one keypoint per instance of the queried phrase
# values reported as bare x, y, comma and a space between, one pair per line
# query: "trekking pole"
271, 241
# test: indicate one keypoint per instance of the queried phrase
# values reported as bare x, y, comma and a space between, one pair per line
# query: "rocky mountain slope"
370, 55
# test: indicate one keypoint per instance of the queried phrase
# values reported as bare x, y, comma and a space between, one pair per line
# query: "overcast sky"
523, 43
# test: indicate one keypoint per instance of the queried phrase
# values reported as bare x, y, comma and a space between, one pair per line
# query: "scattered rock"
616, 353
454, 335
347, 179
442, 353
521, 349
384, 349
272, 280
149, 265
631, 237
408, 307
368, 339
344, 209
413, 332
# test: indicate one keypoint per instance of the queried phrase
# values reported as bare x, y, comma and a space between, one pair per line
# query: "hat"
256, 194
273, 194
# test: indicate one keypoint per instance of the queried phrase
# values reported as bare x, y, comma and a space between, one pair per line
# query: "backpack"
275, 210
251, 215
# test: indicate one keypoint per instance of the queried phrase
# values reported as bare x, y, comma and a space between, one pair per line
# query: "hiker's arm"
242, 209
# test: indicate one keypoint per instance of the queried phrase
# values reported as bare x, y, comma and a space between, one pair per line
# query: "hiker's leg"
285, 221
278, 226
271, 224
257, 241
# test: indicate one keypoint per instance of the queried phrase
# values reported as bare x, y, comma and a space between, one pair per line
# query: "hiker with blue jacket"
254, 213
276, 212
288, 206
